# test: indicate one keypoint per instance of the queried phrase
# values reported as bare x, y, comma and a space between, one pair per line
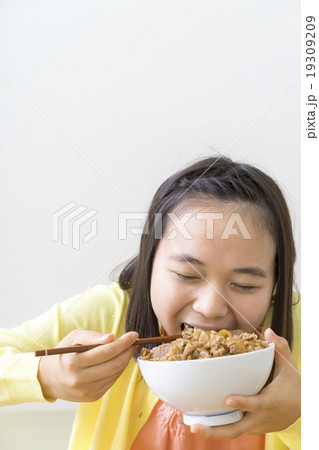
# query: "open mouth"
184, 324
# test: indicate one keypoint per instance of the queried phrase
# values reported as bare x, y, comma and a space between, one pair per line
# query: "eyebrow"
183, 258
254, 271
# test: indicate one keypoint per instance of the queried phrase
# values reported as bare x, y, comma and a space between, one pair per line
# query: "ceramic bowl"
200, 387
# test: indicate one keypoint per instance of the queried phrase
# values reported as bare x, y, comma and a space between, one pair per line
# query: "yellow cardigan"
113, 421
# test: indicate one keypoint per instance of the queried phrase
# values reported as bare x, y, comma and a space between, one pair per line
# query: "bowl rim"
271, 347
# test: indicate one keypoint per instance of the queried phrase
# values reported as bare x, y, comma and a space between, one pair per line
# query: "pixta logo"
70, 225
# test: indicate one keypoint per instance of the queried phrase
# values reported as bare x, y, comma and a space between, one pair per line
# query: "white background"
102, 100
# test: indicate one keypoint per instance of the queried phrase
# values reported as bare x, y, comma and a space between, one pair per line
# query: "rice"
196, 343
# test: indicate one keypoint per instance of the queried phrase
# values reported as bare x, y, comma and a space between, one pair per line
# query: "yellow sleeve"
272, 442
290, 438
100, 309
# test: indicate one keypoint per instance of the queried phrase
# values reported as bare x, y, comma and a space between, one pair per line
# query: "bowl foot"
213, 419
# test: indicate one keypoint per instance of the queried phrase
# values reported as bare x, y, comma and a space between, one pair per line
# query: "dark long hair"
221, 179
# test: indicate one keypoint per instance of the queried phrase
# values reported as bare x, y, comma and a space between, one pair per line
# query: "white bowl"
200, 387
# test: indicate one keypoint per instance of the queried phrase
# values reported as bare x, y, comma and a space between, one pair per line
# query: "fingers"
85, 337
92, 391
85, 376
88, 375
112, 368
104, 339
268, 410
283, 357
94, 381
246, 424
250, 403
231, 431
104, 353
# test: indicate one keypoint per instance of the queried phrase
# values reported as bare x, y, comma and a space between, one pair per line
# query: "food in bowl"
196, 343
199, 387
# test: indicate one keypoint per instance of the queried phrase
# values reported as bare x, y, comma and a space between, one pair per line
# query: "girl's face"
206, 275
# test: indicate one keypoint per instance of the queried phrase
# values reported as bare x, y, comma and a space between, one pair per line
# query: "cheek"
166, 297
161, 292
251, 314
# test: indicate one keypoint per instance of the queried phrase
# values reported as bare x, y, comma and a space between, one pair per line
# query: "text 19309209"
310, 59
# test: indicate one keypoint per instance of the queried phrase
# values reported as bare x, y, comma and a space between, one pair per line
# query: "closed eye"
243, 288
186, 277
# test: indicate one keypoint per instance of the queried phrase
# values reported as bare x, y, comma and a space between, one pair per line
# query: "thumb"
283, 357
103, 338
85, 337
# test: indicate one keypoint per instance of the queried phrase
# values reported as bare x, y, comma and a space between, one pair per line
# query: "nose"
210, 303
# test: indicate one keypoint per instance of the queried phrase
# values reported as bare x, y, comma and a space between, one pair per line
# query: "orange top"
163, 431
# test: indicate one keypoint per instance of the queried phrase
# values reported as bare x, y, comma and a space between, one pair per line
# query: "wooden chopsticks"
84, 348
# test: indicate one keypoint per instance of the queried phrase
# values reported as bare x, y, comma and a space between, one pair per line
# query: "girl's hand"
276, 406
85, 377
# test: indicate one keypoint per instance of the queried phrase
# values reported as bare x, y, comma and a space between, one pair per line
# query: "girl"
217, 252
